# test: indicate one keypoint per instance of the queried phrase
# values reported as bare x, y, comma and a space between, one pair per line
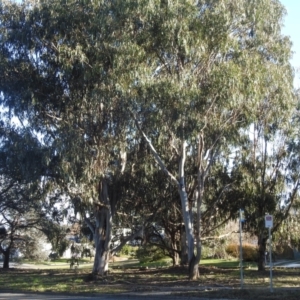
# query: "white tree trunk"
201, 174
194, 264
186, 219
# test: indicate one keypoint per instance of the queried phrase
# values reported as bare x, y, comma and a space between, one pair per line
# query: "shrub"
233, 250
127, 250
149, 253
206, 252
214, 249
249, 251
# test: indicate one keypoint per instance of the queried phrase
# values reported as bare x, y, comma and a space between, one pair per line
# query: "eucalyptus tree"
288, 234
208, 66
62, 64
188, 72
264, 172
264, 180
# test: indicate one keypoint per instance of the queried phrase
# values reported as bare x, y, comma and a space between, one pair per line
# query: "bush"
233, 250
149, 253
213, 249
206, 252
32, 246
249, 251
127, 250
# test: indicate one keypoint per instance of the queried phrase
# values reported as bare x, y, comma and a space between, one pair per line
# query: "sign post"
269, 225
242, 219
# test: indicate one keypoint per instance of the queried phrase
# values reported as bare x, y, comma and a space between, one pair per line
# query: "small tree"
33, 245
56, 235
19, 210
264, 180
22, 192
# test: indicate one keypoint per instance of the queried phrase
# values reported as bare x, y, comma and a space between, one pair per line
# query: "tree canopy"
182, 82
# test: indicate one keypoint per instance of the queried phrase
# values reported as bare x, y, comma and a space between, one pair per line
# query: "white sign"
242, 215
269, 221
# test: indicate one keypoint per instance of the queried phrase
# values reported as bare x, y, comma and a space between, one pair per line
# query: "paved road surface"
159, 296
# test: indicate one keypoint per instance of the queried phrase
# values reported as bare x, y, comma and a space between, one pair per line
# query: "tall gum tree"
62, 63
190, 70
264, 171
205, 73
264, 180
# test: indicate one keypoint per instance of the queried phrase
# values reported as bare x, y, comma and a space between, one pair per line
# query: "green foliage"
56, 235
21, 208
128, 250
206, 252
213, 249
201, 73
283, 250
33, 245
149, 253
289, 231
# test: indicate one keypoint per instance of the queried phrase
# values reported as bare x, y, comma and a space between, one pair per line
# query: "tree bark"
194, 268
176, 259
175, 254
102, 250
194, 263
102, 236
262, 244
6, 255
187, 218
183, 253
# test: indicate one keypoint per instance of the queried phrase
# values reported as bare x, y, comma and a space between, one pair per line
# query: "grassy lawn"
219, 278
56, 280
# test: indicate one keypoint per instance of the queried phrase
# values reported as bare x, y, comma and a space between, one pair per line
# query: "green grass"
165, 262
57, 280
135, 264
54, 261
128, 276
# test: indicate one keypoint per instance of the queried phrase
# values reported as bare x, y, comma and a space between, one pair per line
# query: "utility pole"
241, 219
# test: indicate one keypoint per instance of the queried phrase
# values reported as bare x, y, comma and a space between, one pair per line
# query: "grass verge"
215, 281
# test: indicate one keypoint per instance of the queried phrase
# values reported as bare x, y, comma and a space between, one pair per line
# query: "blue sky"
292, 29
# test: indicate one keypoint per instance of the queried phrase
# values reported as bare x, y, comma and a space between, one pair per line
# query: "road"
158, 296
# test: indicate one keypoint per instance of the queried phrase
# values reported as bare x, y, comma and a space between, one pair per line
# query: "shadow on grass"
214, 281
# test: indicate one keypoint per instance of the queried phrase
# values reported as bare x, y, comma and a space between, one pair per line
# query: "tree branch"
155, 154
